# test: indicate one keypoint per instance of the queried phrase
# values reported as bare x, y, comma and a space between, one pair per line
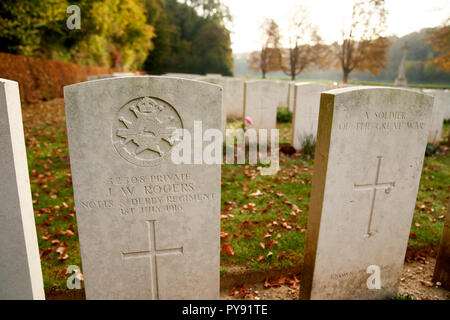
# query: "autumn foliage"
362, 46
370, 55
268, 59
440, 41
306, 49
41, 79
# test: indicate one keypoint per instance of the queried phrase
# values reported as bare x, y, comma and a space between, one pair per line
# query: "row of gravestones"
259, 100
149, 229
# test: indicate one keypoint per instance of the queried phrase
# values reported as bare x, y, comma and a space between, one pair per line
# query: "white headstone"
291, 95
20, 266
148, 228
260, 104
368, 162
447, 105
292, 84
441, 103
280, 92
233, 95
305, 117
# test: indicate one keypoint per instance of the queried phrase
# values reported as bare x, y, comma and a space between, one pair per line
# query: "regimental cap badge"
144, 130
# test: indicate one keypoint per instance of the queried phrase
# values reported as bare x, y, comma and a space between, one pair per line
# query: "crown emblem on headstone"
148, 105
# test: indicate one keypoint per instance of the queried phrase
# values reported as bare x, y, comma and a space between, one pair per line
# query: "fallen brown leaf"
228, 249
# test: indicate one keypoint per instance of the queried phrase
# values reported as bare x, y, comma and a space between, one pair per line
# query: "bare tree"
362, 46
268, 59
305, 46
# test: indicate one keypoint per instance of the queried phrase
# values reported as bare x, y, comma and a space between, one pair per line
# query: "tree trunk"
263, 74
345, 78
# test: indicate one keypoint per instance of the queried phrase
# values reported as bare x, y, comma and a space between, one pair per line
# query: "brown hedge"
41, 79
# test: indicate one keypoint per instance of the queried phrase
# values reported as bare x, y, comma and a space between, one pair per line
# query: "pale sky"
404, 16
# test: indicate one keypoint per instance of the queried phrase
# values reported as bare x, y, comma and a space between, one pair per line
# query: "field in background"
356, 83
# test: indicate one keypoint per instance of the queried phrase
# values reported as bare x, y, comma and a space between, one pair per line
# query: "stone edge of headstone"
295, 86
354, 88
127, 78
23, 182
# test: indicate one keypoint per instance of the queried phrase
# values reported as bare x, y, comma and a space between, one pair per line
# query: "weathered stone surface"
437, 120
291, 89
148, 228
441, 102
260, 104
305, 117
442, 268
233, 95
368, 162
20, 266
447, 105
280, 92
292, 84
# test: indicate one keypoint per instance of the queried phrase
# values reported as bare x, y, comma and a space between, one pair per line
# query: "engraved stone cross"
152, 253
386, 186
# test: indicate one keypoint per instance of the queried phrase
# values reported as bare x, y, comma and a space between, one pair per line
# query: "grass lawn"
263, 218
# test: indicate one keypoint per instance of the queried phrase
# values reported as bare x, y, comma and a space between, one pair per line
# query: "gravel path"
415, 281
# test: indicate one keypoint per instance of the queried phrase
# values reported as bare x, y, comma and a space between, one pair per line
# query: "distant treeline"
418, 66
157, 36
